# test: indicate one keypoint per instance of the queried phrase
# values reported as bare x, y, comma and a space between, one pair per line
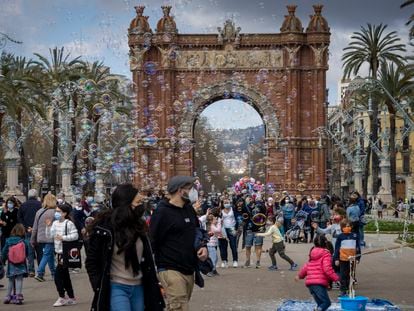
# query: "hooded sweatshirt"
318, 270
172, 232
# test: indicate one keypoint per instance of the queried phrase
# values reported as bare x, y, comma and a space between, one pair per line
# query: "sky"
97, 29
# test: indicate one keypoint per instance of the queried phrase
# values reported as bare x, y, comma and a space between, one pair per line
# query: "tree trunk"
53, 170
366, 171
24, 177
393, 155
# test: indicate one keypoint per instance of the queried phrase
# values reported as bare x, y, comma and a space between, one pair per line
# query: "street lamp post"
12, 159
370, 85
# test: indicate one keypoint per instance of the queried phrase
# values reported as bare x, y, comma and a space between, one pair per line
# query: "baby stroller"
298, 225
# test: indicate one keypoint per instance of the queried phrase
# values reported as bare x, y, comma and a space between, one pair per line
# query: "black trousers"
344, 271
62, 281
280, 249
39, 252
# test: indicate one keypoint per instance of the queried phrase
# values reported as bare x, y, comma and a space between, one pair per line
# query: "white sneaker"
60, 302
71, 301
235, 264
224, 264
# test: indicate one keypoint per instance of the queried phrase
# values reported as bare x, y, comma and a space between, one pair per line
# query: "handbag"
71, 252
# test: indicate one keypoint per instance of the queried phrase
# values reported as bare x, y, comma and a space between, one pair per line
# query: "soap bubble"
150, 68
170, 131
185, 145
106, 98
54, 161
89, 86
177, 106
82, 180
150, 140
98, 109
84, 153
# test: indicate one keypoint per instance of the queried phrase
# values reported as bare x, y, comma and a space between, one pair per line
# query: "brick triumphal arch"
283, 75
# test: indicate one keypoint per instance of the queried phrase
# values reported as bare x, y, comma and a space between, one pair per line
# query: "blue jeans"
47, 258
320, 294
212, 253
251, 239
232, 236
127, 297
30, 256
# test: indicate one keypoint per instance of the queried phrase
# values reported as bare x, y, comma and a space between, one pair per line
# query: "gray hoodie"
39, 226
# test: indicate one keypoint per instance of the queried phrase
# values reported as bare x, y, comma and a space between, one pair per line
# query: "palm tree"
19, 91
407, 3
375, 47
104, 84
398, 81
56, 70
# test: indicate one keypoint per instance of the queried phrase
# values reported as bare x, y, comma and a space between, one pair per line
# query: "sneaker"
31, 274
210, 274
258, 265
235, 264
247, 264
293, 267
336, 285
18, 299
60, 302
71, 301
74, 270
272, 268
39, 278
215, 272
224, 264
7, 299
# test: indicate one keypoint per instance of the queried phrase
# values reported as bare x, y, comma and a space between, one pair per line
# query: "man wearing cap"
173, 230
26, 216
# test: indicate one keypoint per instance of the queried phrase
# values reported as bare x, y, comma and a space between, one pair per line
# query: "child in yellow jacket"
278, 245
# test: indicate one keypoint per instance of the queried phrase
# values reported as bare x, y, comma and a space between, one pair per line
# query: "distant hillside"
230, 139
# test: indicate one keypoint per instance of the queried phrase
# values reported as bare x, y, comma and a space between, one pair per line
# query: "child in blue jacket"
15, 271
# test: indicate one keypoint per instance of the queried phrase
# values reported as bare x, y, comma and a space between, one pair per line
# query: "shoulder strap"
40, 215
66, 227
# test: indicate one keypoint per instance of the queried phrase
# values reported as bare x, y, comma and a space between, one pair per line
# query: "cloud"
11, 8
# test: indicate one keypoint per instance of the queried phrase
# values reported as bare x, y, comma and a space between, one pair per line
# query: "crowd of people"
146, 251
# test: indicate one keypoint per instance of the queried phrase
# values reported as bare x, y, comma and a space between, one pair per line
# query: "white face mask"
193, 195
60, 201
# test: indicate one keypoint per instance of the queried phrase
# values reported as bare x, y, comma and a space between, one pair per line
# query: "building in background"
343, 122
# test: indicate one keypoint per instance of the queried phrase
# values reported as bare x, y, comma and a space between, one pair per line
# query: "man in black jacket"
26, 216
173, 230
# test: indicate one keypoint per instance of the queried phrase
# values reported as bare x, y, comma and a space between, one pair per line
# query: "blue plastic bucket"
353, 304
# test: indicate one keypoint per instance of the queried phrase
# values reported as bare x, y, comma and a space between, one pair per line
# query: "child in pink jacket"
318, 272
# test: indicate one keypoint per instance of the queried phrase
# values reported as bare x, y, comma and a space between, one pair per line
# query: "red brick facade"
283, 75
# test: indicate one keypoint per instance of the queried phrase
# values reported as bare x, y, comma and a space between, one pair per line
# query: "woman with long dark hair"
119, 259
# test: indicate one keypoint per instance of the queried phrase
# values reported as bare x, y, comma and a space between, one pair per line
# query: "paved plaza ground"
387, 275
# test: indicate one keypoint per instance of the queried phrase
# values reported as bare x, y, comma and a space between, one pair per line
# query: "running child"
278, 245
318, 272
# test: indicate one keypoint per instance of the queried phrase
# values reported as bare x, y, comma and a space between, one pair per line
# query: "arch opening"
229, 136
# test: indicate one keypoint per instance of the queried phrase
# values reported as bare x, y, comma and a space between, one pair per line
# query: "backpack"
17, 253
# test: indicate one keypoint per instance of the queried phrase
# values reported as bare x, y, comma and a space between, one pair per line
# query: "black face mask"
139, 210
185, 197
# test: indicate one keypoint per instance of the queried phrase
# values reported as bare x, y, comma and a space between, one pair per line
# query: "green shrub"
386, 226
